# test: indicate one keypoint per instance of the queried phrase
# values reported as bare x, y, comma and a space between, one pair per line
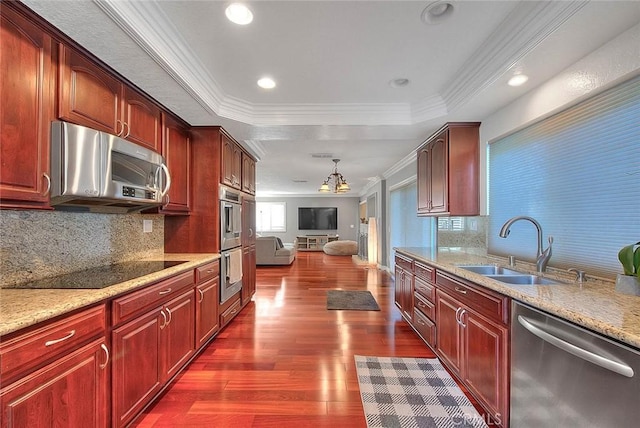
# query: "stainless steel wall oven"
231, 244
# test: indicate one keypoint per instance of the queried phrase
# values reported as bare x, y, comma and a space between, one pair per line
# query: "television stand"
313, 242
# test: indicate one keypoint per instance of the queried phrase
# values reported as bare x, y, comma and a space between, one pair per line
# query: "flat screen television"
325, 218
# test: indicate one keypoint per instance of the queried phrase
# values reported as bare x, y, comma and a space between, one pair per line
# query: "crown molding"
523, 29
402, 163
520, 32
256, 148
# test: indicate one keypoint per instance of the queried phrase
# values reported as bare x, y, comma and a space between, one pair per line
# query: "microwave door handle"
168, 185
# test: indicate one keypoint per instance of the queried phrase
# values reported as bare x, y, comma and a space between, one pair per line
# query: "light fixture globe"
335, 182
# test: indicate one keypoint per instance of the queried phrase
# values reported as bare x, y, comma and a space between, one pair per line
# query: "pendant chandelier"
335, 182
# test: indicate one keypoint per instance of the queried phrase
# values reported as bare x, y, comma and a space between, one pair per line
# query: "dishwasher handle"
599, 360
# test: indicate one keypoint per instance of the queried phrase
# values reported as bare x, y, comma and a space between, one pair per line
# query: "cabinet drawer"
426, 307
425, 272
404, 262
492, 305
230, 313
426, 290
136, 302
208, 271
28, 350
425, 327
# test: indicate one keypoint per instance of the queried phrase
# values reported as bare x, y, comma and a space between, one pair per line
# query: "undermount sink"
522, 279
490, 270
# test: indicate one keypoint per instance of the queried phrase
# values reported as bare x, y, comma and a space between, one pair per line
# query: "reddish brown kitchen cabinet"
449, 171
207, 301
248, 174
404, 286
91, 96
176, 150
231, 171
449, 333
27, 94
248, 249
179, 331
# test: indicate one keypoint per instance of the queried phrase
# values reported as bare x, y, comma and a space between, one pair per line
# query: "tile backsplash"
38, 244
470, 232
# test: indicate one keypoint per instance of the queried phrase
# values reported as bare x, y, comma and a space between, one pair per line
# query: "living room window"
271, 216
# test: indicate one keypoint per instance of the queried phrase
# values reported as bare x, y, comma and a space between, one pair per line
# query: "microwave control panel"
134, 192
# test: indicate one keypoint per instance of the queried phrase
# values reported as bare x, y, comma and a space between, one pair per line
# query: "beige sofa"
271, 251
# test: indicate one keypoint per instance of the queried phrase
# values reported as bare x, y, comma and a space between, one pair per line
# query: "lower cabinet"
404, 286
179, 332
207, 301
72, 392
248, 274
467, 326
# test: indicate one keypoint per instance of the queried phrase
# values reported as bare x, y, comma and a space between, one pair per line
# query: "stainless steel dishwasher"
566, 376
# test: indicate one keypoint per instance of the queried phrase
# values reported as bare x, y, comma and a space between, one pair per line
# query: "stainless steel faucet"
542, 256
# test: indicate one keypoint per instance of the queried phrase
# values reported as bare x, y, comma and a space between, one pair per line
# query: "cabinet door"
176, 150
136, 369
448, 331
143, 120
407, 296
88, 95
398, 287
423, 180
26, 97
248, 174
228, 176
248, 221
178, 334
248, 273
207, 298
438, 172
485, 367
70, 392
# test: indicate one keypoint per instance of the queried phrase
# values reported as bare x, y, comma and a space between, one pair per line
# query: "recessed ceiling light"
437, 12
239, 14
518, 79
267, 83
399, 83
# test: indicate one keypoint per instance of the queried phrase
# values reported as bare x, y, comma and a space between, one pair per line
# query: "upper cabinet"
27, 96
89, 95
248, 174
238, 168
231, 171
176, 150
448, 171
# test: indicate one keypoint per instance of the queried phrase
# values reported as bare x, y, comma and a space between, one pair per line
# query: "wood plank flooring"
287, 361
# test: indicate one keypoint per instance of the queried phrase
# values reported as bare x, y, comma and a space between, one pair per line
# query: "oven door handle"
227, 264
592, 357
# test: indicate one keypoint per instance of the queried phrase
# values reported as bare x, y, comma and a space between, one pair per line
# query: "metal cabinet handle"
62, 339
164, 324
163, 292
46, 192
461, 290
201, 295
128, 129
250, 232
119, 122
458, 315
592, 357
462, 312
421, 322
170, 315
106, 353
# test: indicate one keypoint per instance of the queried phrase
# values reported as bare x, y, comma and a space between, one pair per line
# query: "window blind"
578, 174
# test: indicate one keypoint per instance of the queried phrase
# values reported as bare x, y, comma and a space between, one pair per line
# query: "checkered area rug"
412, 392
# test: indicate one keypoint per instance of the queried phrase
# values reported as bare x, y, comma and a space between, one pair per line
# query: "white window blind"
578, 174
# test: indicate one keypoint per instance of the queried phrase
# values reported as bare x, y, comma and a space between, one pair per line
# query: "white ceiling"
332, 61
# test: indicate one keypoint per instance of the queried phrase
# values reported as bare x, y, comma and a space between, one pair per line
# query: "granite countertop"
594, 304
20, 308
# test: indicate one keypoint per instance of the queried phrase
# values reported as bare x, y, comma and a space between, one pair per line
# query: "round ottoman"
341, 248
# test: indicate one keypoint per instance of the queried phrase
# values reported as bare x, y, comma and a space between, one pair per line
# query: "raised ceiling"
333, 61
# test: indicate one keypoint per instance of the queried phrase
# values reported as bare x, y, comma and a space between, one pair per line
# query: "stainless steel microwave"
96, 171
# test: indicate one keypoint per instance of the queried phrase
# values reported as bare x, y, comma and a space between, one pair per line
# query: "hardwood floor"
287, 361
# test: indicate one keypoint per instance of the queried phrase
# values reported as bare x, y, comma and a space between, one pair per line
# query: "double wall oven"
231, 243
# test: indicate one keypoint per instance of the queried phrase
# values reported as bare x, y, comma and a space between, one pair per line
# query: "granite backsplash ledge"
40, 244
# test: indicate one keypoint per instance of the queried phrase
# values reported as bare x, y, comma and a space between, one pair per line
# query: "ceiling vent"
295, 180
322, 155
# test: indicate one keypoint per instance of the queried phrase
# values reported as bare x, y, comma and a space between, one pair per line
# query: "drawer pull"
209, 270
62, 339
421, 322
201, 295
106, 353
163, 292
461, 290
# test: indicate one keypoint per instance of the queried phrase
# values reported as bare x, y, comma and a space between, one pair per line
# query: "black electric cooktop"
102, 276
